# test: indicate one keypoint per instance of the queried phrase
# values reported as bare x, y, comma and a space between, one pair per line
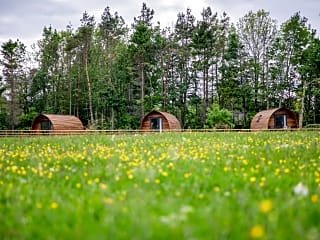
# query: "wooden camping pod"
276, 118
56, 124
159, 121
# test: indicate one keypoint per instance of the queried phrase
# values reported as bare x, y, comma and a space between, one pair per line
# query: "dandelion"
265, 206
78, 185
257, 231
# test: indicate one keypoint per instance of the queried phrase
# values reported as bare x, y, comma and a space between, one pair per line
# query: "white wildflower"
300, 190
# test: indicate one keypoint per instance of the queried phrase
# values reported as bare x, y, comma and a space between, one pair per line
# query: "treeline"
110, 74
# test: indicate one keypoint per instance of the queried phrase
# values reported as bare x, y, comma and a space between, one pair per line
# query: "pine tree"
13, 53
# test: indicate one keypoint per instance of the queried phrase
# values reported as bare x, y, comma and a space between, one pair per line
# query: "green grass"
161, 186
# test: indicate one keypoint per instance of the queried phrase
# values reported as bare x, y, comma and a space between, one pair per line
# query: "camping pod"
159, 121
276, 118
56, 124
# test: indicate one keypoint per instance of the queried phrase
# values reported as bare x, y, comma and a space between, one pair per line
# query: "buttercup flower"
265, 206
257, 231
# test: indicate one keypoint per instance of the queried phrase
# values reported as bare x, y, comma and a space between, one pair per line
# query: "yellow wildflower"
253, 179
314, 198
54, 205
39, 205
265, 206
186, 175
108, 200
257, 231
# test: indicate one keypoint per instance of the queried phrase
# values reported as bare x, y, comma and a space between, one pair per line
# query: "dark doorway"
156, 124
280, 121
45, 126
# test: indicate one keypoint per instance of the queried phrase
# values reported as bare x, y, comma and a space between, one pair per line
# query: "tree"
3, 107
233, 91
309, 71
46, 79
257, 31
182, 73
141, 48
13, 53
108, 88
204, 42
84, 36
218, 118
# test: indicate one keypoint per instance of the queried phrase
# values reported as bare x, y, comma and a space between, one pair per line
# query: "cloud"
25, 19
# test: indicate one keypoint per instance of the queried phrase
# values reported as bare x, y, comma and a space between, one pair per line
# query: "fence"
34, 133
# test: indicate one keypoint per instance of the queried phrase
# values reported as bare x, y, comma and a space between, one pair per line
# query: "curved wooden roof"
59, 122
262, 119
173, 122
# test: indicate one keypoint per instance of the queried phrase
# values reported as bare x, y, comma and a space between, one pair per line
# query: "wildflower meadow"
224, 185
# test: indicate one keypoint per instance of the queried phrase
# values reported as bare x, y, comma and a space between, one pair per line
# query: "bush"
219, 118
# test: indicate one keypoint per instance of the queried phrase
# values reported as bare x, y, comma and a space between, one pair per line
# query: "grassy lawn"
262, 185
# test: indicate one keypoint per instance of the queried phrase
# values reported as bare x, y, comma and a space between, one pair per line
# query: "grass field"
262, 185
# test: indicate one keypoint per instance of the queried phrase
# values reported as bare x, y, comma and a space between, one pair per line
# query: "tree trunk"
142, 89
304, 83
112, 118
89, 90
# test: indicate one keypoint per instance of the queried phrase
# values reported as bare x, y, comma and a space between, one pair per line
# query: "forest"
110, 74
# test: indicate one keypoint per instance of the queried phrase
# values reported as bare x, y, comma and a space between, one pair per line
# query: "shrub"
219, 118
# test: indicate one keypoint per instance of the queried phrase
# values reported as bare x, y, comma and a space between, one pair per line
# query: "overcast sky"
25, 19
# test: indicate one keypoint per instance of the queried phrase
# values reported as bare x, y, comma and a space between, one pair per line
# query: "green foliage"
218, 118
25, 120
12, 61
193, 120
3, 120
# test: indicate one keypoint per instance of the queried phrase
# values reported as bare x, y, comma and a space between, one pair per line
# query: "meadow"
263, 185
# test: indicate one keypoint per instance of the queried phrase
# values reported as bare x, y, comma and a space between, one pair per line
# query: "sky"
25, 19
